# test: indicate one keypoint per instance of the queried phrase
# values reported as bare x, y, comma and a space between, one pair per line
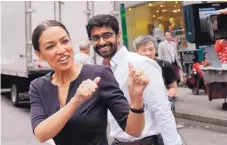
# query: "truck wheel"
15, 95
195, 91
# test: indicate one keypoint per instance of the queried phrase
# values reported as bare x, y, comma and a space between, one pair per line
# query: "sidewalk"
199, 108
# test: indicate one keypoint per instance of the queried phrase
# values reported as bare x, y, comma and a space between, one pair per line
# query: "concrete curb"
200, 118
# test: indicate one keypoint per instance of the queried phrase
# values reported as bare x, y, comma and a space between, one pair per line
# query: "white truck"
19, 64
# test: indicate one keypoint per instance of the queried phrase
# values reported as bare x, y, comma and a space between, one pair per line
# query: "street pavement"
199, 108
198, 133
16, 127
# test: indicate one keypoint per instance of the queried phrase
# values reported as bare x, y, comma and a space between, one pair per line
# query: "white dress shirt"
172, 55
83, 58
158, 115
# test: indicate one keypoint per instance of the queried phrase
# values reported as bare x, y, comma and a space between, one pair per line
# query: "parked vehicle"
19, 64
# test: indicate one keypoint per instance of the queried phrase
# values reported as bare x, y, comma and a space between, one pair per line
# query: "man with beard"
103, 31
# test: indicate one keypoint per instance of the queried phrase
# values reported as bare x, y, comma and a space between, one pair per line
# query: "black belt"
151, 140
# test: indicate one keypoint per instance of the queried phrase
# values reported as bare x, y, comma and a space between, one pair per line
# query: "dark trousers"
176, 69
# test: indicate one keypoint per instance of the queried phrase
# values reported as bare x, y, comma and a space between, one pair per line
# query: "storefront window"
155, 18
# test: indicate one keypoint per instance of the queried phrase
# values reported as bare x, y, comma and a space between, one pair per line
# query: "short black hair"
102, 20
41, 28
167, 31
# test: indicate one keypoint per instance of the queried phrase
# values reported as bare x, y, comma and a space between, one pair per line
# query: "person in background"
103, 31
145, 46
83, 56
70, 104
158, 33
168, 52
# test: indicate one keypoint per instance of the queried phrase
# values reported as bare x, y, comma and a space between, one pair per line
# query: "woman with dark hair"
70, 104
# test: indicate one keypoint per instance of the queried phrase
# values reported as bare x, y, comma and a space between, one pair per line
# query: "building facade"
154, 18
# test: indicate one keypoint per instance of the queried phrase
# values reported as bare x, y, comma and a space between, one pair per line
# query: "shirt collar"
167, 41
120, 54
117, 58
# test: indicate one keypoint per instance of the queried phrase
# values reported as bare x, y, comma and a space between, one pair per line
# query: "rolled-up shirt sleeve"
112, 94
155, 96
38, 113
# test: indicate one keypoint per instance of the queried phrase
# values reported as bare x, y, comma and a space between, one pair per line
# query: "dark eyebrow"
102, 34
50, 42
95, 35
64, 37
